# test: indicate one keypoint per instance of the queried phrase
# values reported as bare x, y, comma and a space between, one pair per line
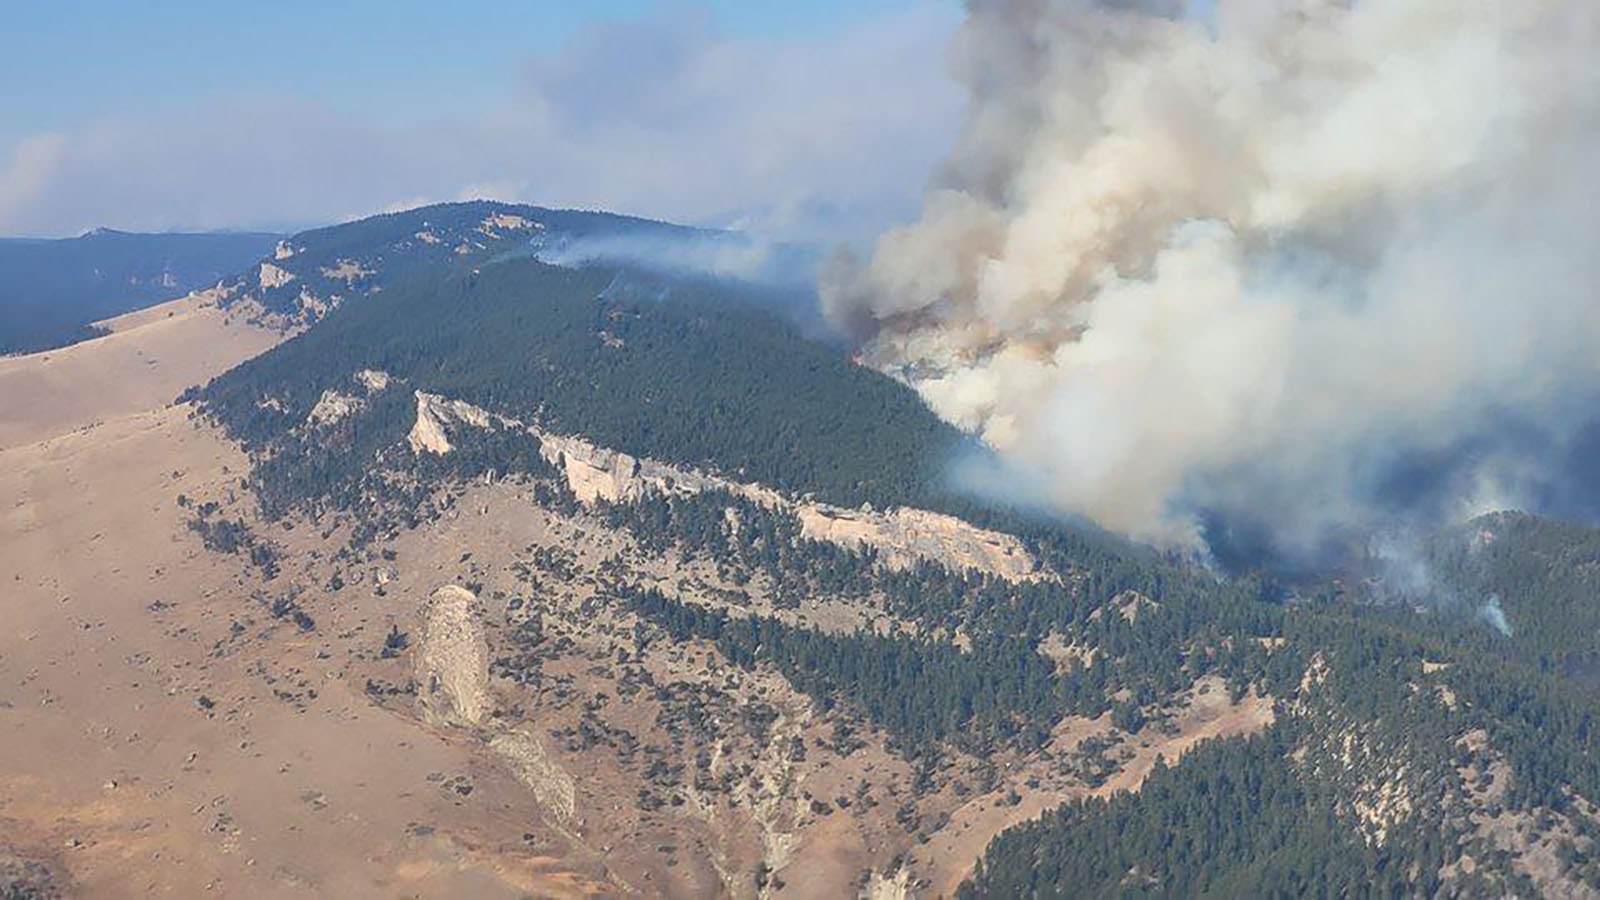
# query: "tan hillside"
192, 725
149, 358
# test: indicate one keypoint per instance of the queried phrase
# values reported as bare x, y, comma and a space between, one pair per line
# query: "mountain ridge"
53, 291
624, 483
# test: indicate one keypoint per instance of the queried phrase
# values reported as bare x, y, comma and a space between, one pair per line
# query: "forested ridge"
685, 379
52, 290
1415, 697
356, 259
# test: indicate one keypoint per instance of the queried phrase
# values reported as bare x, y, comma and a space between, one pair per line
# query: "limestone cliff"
902, 537
437, 415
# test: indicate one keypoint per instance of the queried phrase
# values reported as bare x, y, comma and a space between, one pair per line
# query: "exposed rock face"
497, 222
1067, 657
902, 537
596, 473
347, 270
273, 276
284, 250
312, 307
427, 434
453, 666
373, 380
436, 415
905, 537
1130, 605
889, 887
332, 407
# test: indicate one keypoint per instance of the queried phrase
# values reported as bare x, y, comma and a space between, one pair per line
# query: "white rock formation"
453, 665
373, 380
332, 407
596, 473
347, 270
312, 307
902, 537
495, 223
436, 415
273, 276
335, 405
427, 434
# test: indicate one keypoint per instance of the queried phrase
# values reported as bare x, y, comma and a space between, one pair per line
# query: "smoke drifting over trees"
1315, 264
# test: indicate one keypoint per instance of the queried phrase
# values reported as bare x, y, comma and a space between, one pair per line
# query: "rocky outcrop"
894, 886
273, 276
596, 473
427, 433
495, 223
905, 537
347, 270
373, 380
437, 415
1130, 605
902, 537
312, 308
334, 405
453, 666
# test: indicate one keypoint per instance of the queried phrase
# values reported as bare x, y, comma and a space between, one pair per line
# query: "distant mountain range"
51, 291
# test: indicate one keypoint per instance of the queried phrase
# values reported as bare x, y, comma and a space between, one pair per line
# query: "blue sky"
93, 93
63, 61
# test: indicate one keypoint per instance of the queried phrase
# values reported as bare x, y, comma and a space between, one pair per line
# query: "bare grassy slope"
150, 746
149, 358
121, 630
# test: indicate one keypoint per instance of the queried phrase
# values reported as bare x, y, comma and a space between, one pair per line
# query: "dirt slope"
121, 630
149, 747
149, 358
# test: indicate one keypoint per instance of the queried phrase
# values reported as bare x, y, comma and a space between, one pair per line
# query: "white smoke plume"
729, 255
1495, 617
1281, 260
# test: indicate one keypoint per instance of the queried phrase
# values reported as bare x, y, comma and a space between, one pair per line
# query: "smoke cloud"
750, 270
715, 254
1495, 617
1299, 267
